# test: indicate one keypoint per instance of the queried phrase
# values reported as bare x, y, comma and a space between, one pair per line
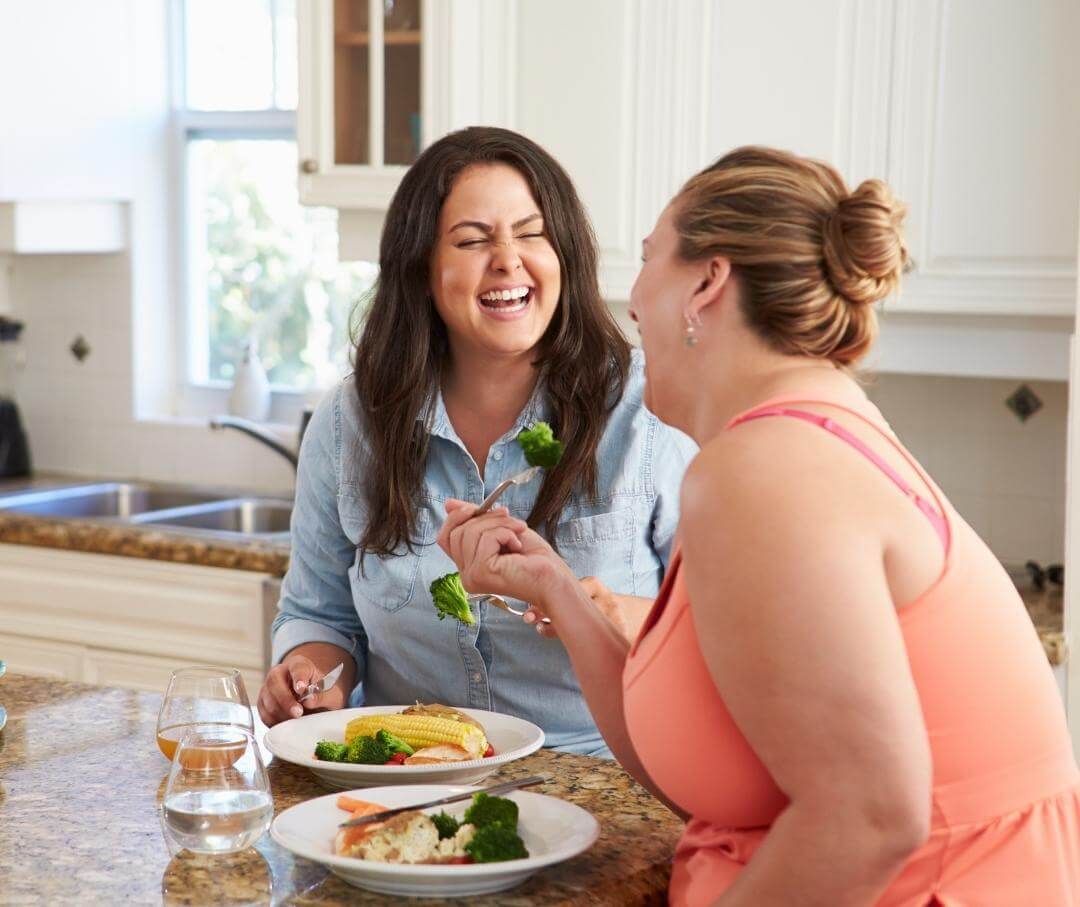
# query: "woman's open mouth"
506, 304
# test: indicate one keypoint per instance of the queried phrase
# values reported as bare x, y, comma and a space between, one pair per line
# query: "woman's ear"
716, 277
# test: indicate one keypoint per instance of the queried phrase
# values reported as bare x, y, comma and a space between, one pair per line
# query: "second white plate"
552, 829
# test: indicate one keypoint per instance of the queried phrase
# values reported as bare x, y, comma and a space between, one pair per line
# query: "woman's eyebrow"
487, 228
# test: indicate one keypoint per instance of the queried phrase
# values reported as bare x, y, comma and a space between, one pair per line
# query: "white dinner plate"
294, 741
552, 829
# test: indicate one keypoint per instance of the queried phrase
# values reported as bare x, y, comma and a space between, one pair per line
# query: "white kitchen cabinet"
380, 79
128, 622
42, 657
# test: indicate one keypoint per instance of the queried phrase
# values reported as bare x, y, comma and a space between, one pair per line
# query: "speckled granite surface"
1047, 611
133, 541
81, 777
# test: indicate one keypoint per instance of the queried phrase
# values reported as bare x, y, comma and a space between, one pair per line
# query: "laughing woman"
487, 317
839, 685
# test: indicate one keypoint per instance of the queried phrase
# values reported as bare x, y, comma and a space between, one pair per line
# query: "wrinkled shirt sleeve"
671, 454
316, 601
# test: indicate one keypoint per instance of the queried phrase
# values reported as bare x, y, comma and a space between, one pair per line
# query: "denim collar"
537, 409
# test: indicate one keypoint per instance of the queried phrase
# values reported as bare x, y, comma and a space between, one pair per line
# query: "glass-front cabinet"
381, 79
360, 120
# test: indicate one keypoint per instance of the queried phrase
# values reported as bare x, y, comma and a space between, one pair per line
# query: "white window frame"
198, 397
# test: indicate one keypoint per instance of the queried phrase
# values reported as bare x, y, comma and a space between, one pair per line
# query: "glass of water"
217, 798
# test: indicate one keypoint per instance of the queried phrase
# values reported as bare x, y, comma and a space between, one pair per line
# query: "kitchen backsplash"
1006, 477
80, 415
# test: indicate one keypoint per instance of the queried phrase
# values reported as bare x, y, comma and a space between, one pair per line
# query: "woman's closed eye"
478, 241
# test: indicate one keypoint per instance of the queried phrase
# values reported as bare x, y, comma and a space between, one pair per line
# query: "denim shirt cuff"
297, 631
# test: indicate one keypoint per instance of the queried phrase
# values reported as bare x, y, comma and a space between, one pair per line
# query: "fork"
481, 597
526, 475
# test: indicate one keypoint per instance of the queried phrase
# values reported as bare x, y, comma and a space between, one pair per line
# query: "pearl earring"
692, 324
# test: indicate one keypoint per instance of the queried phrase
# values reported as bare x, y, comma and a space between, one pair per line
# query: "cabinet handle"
309, 165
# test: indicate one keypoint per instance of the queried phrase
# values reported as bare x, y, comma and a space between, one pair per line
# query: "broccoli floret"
486, 810
328, 751
447, 825
451, 598
540, 446
367, 751
495, 843
393, 744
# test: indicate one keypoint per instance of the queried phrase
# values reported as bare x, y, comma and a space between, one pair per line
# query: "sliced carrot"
359, 807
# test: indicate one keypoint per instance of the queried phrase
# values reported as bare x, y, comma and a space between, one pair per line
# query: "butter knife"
467, 795
321, 686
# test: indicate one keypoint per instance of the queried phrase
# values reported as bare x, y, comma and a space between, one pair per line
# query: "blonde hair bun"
863, 243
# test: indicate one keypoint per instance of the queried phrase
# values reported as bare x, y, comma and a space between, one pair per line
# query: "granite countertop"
1046, 607
131, 540
81, 779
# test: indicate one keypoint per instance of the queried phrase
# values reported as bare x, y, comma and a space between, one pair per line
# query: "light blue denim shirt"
385, 617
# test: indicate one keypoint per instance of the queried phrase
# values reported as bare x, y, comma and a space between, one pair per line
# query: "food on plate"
486, 810
420, 735
451, 599
540, 446
488, 834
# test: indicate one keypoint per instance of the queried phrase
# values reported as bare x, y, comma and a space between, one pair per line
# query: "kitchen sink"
200, 511
107, 499
246, 516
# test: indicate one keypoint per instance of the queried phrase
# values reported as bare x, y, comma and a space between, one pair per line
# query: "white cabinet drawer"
177, 611
42, 657
147, 672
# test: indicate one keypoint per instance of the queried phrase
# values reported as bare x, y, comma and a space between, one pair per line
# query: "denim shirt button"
497, 456
477, 677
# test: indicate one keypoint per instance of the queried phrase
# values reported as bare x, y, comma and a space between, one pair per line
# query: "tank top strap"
938, 516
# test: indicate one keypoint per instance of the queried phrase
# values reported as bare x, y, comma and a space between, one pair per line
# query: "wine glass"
217, 798
201, 695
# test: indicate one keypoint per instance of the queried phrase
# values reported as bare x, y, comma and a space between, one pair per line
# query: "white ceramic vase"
250, 395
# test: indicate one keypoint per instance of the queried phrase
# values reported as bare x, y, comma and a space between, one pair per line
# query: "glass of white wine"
202, 695
217, 798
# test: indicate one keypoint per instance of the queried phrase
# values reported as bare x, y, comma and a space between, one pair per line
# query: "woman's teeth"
506, 300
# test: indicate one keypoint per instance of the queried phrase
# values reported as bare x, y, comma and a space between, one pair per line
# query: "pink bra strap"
937, 520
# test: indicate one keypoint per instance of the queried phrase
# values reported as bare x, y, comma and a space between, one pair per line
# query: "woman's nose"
505, 257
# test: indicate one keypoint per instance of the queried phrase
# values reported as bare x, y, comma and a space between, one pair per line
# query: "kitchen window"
256, 265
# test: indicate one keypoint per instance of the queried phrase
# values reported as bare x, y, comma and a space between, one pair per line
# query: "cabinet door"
147, 672
42, 657
359, 114
379, 80
179, 612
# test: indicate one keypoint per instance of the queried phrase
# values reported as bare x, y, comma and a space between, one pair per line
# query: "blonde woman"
838, 685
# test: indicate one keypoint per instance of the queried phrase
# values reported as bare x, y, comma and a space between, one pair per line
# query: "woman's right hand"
497, 553
279, 698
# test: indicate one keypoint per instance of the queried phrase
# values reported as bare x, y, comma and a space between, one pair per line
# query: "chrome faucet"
260, 434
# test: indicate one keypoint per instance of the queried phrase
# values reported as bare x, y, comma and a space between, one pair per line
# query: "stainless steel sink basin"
198, 511
107, 499
245, 516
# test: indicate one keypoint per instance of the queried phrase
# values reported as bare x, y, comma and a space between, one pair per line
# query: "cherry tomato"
489, 752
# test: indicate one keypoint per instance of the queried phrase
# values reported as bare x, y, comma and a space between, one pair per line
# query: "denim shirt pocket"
601, 545
389, 583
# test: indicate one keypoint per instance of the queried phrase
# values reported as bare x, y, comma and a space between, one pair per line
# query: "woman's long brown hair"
583, 357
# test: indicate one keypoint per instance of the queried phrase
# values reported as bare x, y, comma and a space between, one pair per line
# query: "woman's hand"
279, 698
497, 553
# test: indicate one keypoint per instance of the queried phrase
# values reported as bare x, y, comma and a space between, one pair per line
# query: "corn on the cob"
421, 730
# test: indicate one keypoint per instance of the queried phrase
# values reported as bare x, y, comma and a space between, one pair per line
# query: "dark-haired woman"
487, 317
838, 685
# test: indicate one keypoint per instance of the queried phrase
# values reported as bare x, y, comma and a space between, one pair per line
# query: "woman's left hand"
497, 553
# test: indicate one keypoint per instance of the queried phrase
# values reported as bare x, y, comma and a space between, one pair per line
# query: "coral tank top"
1006, 790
